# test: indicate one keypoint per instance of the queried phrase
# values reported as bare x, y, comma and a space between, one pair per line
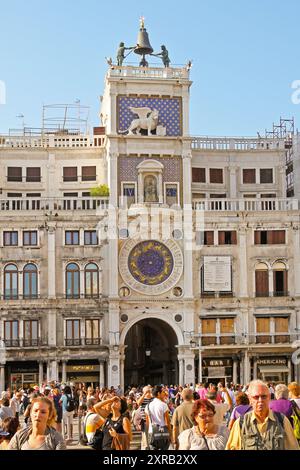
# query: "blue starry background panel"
169, 113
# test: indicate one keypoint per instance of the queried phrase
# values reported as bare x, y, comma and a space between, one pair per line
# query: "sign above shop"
88, 368
217, 362
272, 361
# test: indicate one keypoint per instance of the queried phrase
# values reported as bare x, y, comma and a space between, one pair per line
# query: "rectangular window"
73, 333
88, 173
227, 331
11, 333
31, 328
216, 175
209, 331
266, 175
249, 176
90, 237
72, 237
198, 175
33, 175
281, 326
269, 237
92, 332
205, 238
70, 173
10, 238
263, 330
30, 238
14, 174
227, 237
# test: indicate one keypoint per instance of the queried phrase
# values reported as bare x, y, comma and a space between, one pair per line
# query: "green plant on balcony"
100, 191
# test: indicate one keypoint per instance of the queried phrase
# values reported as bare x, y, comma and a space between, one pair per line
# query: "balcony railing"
54, 204
24, 343
252, 205
51, 141
82, 342
148, 72
237, 143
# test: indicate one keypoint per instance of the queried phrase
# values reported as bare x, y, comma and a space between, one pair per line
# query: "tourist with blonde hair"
39, 435
294, 392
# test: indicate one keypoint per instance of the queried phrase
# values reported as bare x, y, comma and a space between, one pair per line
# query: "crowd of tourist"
258, 416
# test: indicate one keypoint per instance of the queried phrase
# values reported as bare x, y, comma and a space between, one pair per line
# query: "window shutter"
216, 175
262, 283
270, 237
209, 238
227, 325
33, 174
257, 237
233, 238
263, 325
249, 176
209, 326
221, 238
198, 175
88, 173
70, 173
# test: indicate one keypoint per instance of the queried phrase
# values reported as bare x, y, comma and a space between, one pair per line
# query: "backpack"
70, 406
296, 419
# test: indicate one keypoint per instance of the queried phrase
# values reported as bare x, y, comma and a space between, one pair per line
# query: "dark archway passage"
151, 354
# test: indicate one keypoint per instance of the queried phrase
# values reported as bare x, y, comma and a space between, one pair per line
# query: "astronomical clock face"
151, 267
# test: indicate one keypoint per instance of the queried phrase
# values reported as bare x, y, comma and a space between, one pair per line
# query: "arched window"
30, 290
280, 279
91, 280
11, 284
72, 281
261, 280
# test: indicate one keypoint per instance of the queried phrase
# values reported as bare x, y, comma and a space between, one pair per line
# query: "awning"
268, 369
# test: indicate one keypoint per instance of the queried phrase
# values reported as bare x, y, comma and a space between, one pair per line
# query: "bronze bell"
143, 44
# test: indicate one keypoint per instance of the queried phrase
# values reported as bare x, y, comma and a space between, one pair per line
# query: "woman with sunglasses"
205, 434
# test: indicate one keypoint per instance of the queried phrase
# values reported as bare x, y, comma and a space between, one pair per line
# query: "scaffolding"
69, 119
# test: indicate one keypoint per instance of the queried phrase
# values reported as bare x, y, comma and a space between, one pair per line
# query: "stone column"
188, 224
54, 371
254, 369
243, 274
41, 373
234, 371
52, 328
246, 368
290, 371
140, 198
2, 378
233, 182
113, 253
114, 374
51, 262
181, 371
113, 179
296, 260
122, 364
160, 189
64, 372
48, 371
189, 367
102, 374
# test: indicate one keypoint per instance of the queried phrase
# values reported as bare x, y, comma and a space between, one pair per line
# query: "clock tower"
145, 110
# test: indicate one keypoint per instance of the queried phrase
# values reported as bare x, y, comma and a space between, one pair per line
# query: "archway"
150, 353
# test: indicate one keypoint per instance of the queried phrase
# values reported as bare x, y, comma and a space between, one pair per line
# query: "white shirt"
157, 410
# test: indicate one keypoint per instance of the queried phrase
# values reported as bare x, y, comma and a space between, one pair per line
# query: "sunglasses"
208, 415
257, 397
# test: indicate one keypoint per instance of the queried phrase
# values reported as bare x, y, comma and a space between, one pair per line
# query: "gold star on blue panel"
169, 112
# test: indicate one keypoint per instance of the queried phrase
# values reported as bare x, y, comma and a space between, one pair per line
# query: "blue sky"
245, 56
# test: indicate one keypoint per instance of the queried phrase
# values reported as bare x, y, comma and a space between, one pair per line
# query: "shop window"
72, 281
88, 173
198, 175
91, 278
216, 175
266, 175
92, 332
249, 176
10, 238
33, 175
30, 275
73, 333
227, 237
11, 333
